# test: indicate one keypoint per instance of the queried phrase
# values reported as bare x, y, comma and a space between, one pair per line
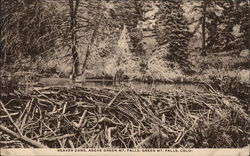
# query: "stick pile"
76, 117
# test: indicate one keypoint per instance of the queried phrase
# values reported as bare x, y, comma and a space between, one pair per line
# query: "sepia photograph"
88, 77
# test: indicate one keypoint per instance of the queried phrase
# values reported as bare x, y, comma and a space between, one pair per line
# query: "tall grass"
222, 62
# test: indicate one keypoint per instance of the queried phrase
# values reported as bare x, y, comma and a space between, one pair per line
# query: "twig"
183, 134
9, 142
105, 119
110, 140
59, 141
213, 90
58, 137
64, 108
27, 113
10, 118
146, 140
23, 138
71, 143
11, 114
46, 97
81, 119
133, 133
112, 101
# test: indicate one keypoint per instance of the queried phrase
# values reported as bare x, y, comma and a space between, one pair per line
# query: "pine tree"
218, 22
243, 16
130, 12
220, 26
172, 31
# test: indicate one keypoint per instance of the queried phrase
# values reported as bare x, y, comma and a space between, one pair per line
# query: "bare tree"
97, 10
73, 5
203, 33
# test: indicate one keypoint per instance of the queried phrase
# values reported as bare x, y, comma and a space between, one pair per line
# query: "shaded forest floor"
75, 117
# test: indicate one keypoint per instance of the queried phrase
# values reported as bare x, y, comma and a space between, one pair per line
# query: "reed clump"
76, 117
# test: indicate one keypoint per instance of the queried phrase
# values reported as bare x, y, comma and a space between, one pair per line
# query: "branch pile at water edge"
57, 117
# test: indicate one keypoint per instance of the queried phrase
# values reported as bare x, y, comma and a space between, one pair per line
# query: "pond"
139, 86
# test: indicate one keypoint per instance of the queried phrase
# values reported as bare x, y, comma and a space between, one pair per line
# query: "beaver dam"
77, 117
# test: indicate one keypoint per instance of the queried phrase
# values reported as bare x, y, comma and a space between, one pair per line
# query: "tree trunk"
92, 39
88, 49
73, 4
1, 46
4, 59
203, 48
83, 77
248, 30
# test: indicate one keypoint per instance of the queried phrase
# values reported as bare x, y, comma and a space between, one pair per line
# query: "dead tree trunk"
73, 4
92, 39
88, 48
203, 48
248, 30
4, 59
2, 51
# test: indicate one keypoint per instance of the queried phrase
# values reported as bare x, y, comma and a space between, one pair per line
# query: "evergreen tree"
172, 31
130, 12
219, 20
243, 14
220, 25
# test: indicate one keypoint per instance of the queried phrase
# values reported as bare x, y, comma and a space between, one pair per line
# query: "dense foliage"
226, 23
28, 29
172, 31
50, 36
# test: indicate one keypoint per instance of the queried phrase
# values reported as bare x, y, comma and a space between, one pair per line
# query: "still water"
139, 86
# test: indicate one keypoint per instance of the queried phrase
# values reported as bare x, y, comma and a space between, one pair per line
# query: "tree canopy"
85, 33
